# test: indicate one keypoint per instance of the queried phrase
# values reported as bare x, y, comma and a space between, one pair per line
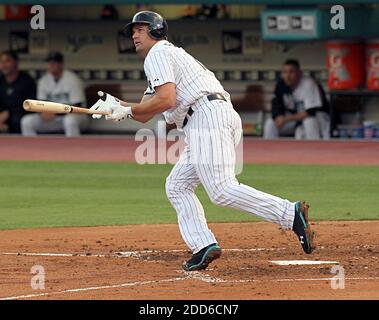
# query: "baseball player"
57, 85
299, 106
190, 96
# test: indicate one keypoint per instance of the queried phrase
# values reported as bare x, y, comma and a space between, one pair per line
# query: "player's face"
55, 68
7, 64
291, 75
141, 39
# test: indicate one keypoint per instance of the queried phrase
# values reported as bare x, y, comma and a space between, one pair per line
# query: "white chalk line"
301, 262
193, 275
138, 253
123, 254
187, 276
208, 278
129, 284
300, 279
39, 254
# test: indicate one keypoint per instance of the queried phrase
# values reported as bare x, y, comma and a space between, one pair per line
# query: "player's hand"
120, 114
106, 103
4, 116
280, 121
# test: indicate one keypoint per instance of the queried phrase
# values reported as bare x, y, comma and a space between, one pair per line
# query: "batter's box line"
125, 254
196, 275
139, 253
186, 276
116, 286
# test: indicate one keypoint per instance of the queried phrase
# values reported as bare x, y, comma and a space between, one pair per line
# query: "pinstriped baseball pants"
212, 134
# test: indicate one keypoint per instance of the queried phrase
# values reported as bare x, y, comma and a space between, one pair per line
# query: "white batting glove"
106, 103
120, 114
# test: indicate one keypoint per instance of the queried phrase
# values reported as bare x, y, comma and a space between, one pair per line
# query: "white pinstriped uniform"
212, 134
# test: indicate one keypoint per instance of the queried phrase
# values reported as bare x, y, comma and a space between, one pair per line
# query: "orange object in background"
346, 64
372, 64
17, 12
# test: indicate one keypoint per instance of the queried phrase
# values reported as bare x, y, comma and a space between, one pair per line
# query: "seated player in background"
57, 85
299, 107
15, 87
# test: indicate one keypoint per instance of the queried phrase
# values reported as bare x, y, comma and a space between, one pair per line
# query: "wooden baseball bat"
54, 107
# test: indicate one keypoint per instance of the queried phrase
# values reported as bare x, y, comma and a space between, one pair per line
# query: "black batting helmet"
157, 26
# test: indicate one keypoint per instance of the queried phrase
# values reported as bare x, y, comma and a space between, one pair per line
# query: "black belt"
210, 97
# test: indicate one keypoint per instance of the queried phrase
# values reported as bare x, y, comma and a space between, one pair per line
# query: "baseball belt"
210, 97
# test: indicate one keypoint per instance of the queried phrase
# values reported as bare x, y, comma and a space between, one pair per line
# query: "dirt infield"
143, 262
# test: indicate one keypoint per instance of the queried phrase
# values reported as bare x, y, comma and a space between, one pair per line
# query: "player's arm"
150, 105
164, 96
296, 116
163, 99
145, 97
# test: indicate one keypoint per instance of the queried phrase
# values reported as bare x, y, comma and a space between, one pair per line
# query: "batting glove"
106, 103
120, 114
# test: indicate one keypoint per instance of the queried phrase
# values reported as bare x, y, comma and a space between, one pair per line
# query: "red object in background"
346, 64
17, 12
372, 64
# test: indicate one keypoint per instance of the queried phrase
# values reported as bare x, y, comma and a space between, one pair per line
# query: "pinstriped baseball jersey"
168, 63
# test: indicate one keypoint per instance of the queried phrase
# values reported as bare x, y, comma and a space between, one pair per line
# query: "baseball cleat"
203, 258
302, 227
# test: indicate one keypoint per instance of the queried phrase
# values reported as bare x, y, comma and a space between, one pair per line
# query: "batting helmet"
157, 26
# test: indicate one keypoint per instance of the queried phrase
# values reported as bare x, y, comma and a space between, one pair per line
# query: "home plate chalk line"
138, 253
194, 275
301, 262
123, 254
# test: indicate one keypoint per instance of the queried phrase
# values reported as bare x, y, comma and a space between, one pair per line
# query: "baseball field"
101, 226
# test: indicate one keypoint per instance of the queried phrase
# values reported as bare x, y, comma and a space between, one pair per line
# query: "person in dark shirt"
15, 87
299, 106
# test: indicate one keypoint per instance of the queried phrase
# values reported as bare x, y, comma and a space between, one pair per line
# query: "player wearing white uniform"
57, 85
299, 107
190, 96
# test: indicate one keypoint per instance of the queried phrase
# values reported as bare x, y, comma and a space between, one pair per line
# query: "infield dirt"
85, 263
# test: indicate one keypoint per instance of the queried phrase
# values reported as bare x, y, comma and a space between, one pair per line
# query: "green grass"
50, 194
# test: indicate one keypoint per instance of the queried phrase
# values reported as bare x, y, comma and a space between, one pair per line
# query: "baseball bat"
54, 107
